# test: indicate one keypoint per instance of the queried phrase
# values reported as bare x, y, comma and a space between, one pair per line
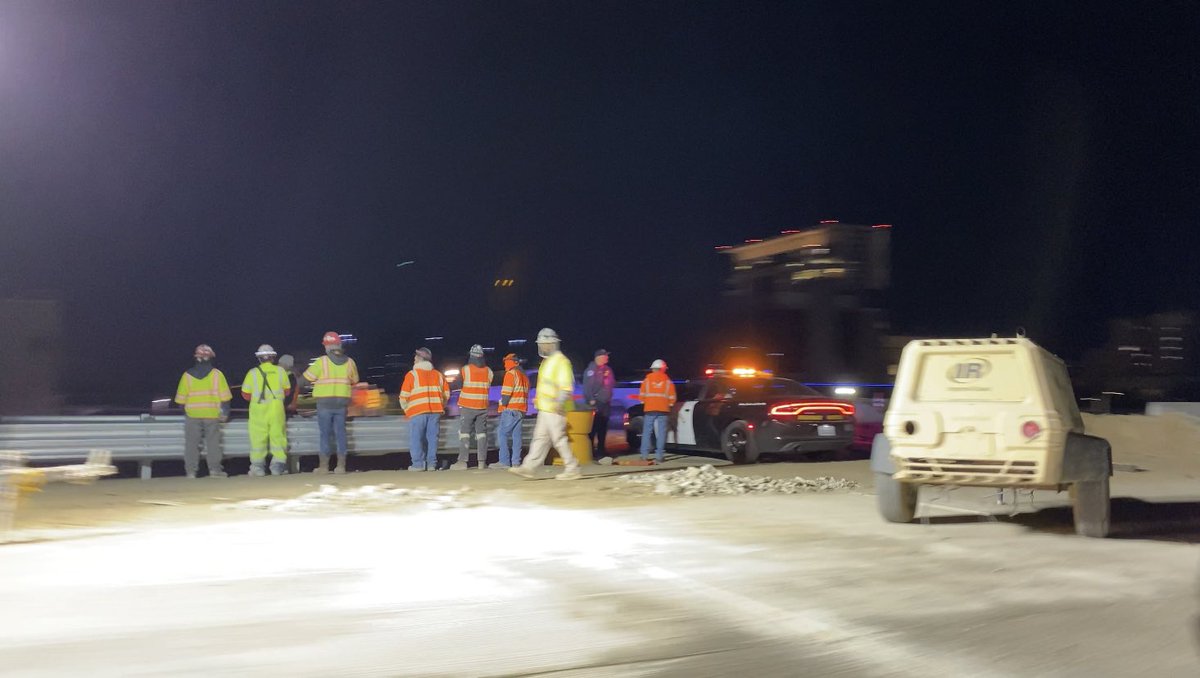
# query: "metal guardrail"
146, 439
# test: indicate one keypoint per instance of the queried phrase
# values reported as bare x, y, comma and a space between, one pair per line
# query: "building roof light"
830, 221
882, 226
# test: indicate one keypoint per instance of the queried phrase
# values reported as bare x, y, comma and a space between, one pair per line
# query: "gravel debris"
365, 498
697, 481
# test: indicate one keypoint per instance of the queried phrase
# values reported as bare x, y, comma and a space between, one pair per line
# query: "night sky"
241, 172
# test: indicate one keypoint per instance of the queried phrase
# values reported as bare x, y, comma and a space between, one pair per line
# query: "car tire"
633, 434
738, 445
1091, 507
897, 501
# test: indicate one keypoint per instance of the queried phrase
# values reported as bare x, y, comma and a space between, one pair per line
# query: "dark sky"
240, 172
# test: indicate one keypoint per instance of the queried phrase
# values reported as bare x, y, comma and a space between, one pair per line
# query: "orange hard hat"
331, 339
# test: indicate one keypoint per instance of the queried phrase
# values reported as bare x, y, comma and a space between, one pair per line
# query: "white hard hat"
476, 351
659, 364
547, 336
265, 349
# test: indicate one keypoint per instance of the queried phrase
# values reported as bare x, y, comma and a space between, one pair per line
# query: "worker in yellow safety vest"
553, 397
333, 376
204, 395
266, 388
477, 379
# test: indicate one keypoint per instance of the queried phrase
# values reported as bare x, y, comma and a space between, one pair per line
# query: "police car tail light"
812, 407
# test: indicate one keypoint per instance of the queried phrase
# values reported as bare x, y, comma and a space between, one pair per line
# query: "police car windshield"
762, 388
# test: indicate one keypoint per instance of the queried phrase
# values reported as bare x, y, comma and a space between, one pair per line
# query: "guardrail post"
146, 468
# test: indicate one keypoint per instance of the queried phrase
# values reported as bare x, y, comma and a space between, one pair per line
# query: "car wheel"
738, 445
897, 501
633, 434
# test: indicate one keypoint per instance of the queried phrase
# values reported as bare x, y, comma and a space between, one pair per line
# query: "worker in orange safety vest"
423, 397
658, 396
477, 378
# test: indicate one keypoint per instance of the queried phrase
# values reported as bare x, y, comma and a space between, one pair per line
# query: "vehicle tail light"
812, 407
625, 419
1031, 430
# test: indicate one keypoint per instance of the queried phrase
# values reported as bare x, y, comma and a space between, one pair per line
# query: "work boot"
279, 468
570, 474
258, 469
458, 466
523, 472
218, 474
343, 464
192, 475
500, 465
420, 469
322, 465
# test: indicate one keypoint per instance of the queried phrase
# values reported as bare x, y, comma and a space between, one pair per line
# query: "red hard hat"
331, 339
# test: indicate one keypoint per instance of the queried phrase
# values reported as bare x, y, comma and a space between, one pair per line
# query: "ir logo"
969, 370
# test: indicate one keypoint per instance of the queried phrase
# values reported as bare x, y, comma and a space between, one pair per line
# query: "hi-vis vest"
330, 380
516, 384
555, 378
476, 382
202, 398
264, 391
424, 392
657, 392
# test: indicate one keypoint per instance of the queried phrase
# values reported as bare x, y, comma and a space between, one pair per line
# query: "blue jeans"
655, 422
331, 421
423, 440
510, 431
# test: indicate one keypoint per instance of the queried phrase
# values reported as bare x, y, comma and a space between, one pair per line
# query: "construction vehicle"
996, 412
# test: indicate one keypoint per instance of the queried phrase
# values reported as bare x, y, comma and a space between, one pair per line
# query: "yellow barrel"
579, 425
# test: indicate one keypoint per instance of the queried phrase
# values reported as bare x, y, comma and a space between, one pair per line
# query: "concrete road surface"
133, 578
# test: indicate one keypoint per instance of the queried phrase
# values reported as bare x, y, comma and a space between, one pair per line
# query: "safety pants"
472, 422
268, 431
550, 428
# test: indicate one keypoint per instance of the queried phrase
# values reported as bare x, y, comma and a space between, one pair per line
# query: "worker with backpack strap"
266, 388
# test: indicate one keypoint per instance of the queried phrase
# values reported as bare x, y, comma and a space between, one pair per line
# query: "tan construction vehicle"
996, 412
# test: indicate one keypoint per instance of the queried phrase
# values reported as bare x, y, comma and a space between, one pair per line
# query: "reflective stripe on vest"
516, 384
427, 398
203, 396
474, 394
656, 393
275, 388
555, 377
334, 380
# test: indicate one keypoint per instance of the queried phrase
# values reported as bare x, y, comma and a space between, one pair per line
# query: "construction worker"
423, 397
288, 363
477, 378
658, 396
204, 395
266, 388
555, 390
598, 385
332, 376
514, 403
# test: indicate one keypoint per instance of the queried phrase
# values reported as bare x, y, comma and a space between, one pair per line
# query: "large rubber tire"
633, 435
897, 501
1091, 506
738, 445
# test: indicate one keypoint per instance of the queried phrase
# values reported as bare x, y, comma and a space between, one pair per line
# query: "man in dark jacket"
598, 383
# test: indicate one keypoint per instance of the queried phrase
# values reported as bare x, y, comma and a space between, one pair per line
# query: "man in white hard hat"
555, 390
657, 394
266, 389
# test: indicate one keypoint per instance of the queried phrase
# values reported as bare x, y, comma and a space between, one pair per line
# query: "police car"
743, 413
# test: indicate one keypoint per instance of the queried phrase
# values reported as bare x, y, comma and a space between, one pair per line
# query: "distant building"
1154, 357
818, 296
30, 364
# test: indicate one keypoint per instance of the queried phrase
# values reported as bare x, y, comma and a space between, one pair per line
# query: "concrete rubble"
365, 498
705, 480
